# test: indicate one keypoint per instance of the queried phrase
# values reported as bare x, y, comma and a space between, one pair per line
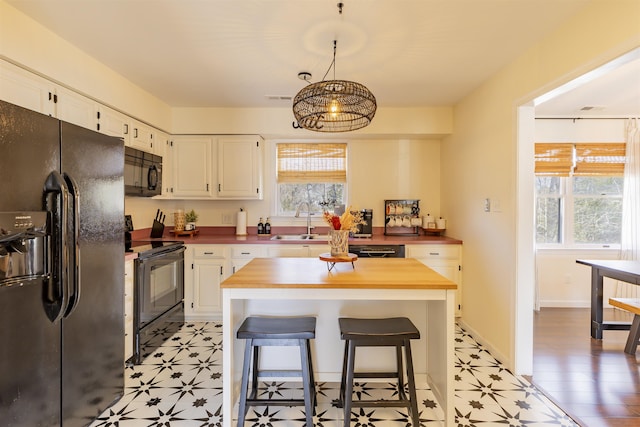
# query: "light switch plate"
487, 205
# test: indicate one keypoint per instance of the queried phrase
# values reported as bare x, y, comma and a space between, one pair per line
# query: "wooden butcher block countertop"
369, 273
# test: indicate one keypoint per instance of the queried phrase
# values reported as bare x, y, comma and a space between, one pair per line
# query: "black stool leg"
254, 371
400, 372
340, 402
306, 385
412, 385
311, 377
348, 393
242, 405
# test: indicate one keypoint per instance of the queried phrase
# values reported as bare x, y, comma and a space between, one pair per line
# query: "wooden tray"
434, 231
333, 260
189, 233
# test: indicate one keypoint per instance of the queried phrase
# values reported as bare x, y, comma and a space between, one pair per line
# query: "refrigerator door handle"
56, 201
73, 232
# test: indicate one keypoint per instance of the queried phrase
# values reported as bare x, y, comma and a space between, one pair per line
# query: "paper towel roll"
241, 223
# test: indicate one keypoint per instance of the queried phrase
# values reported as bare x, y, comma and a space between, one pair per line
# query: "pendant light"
333, 105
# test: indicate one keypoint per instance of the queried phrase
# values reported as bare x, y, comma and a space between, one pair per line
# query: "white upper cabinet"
26, 89
77, 109
141, 136
240, 167
114, 123
191, 163
162, 148
211, 167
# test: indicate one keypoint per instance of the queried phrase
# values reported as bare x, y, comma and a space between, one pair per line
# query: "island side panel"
440, 364
232, 316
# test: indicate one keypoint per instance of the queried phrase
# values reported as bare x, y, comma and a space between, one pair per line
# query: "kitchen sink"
299, 237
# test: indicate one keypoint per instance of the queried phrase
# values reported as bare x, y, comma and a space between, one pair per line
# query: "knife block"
157, 230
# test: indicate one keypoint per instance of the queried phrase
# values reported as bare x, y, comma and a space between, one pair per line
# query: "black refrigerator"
61, 324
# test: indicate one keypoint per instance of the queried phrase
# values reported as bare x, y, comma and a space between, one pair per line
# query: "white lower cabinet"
445, 259
128, 309
242, 254
296, 251
204, 271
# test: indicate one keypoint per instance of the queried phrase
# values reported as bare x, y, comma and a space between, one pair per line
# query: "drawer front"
247, 252
434, 251
206, 251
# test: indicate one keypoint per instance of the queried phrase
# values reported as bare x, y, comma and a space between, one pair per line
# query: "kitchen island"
374, 288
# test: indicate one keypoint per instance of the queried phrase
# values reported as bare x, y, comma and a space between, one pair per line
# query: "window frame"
567, 212
316, 215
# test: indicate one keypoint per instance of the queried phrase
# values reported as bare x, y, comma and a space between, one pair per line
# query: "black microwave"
142, 173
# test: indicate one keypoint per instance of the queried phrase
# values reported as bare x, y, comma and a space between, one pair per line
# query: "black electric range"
147, 248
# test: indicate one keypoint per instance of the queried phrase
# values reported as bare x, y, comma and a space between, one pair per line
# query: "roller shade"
309, 163
600, 159
580, 159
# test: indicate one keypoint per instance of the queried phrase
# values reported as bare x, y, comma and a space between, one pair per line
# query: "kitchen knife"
163, 217
157, 215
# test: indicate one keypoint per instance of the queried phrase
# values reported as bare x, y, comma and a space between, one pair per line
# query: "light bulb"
334, 108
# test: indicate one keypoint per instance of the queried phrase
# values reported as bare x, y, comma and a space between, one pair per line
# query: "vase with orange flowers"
339, 228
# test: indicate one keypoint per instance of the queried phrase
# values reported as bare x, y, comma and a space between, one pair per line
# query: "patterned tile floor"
180, 384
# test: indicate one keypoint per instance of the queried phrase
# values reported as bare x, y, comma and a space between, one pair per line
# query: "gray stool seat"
276, 332
388, 332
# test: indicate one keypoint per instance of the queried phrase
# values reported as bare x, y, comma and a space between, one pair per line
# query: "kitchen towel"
241, 223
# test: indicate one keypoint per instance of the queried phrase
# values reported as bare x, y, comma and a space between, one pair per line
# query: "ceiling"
248, 53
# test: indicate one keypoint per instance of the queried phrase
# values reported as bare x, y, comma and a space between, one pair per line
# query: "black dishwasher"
377, 251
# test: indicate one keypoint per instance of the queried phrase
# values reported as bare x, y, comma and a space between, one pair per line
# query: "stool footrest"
276, 402
275, 373
375, 375
403, 403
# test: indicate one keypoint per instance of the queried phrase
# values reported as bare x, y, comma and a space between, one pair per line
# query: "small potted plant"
190, 218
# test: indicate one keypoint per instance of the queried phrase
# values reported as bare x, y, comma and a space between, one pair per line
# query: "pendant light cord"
333, 63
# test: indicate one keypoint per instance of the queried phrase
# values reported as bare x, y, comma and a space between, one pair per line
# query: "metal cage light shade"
334, 106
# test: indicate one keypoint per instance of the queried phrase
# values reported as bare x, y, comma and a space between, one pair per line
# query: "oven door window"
163, 287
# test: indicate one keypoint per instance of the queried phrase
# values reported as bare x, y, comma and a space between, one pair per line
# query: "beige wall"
425, 122
480, 160
30, 45
378, 169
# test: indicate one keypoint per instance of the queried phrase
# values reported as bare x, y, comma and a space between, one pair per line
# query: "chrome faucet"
297, 215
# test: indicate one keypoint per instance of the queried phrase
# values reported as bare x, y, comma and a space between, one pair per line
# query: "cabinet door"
240, 168
288, 251
20, 87
192, 166
207, 276
242, 254
113, 123
128, 309
141, 136
162, 148
316, 250
444, 259
77, 109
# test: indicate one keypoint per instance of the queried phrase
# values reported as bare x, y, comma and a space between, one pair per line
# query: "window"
310, 176
579, 193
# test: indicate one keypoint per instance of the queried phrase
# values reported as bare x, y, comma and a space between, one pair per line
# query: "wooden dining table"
370, 288
623, 270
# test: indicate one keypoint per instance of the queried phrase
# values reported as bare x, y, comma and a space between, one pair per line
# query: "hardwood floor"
594, 381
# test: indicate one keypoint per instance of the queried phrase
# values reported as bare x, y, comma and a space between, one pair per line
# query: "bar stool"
390, 332
277, 331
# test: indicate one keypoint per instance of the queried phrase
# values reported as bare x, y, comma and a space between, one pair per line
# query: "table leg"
597, 292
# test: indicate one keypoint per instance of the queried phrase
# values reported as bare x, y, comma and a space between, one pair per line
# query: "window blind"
600, 159
579, 159
309, 163
553, 159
